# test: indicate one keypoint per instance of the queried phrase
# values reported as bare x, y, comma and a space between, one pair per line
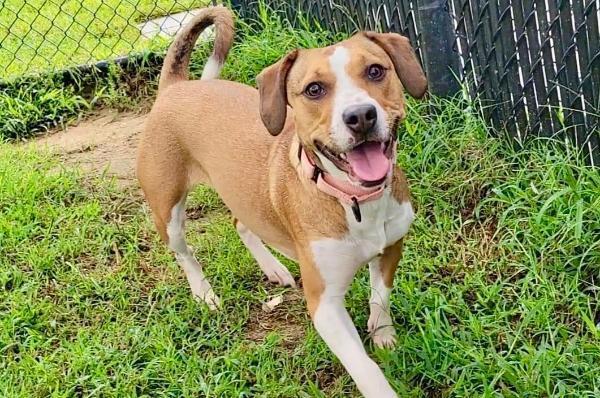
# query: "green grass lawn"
42, 35
498, 293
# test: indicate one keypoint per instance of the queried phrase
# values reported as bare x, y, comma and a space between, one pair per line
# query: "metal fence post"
437, 38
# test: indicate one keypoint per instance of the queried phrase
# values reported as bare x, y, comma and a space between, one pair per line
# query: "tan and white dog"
322, 188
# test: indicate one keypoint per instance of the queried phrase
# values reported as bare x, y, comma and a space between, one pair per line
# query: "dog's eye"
375, 72
314, 90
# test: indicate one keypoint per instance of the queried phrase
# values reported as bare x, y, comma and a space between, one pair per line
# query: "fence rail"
533, 64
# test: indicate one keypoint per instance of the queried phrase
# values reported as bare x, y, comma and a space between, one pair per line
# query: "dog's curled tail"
176, 65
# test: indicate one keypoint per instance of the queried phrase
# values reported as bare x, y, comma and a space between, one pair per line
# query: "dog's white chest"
384, 222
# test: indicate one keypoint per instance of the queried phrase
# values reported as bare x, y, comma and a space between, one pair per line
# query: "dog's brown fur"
216, 132
177, 60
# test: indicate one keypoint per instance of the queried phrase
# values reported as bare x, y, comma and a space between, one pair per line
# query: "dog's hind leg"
201, 288
272, 268
166, 196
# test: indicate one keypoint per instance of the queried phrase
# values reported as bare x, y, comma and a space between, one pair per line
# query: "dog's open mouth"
368, 163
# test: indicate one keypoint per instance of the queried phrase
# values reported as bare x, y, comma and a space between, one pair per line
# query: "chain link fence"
46, 35
533, 64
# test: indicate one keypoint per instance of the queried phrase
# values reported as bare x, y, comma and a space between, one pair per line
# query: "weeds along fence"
534, 65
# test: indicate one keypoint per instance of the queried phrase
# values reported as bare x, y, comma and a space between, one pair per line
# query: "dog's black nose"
360, 118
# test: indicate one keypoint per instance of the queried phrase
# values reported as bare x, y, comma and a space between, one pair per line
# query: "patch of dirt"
290, 320
327, 380
285, 319
104, 143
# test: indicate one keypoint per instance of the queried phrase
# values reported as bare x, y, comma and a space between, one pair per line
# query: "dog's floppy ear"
405, 62
273, 94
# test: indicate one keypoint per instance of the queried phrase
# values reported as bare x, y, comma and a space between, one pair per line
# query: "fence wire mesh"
534, 64
45, 35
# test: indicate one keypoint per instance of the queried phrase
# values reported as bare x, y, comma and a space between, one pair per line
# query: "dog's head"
347, 100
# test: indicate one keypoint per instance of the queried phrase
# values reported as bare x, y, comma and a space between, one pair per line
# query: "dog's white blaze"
212, 69
199, 285
273, 269
380, 321
384, 222
348, 93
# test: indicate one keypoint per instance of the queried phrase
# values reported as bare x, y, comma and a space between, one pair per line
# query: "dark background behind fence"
534, 65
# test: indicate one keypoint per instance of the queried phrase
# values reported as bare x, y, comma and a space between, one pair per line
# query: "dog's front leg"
325, 285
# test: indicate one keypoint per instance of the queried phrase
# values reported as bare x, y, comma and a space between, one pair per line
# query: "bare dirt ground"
105, 143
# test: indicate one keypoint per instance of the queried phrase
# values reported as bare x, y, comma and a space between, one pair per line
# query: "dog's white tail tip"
212, 69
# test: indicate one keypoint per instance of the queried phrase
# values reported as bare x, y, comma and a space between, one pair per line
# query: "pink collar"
343, 191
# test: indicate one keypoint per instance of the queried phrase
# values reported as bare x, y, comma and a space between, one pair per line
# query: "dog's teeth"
343, 156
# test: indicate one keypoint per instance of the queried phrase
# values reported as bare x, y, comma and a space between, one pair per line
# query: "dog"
306, 164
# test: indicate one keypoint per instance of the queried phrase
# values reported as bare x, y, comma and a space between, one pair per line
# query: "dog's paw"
202, 292
282, 279
384, 337
209, 298
281, 276
381, 328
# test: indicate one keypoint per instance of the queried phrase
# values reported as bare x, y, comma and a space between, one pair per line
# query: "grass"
36, 106
46, 36
498, 293
30, 106
39, 35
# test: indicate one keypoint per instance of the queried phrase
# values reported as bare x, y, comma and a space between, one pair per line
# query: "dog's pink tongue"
368, 161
